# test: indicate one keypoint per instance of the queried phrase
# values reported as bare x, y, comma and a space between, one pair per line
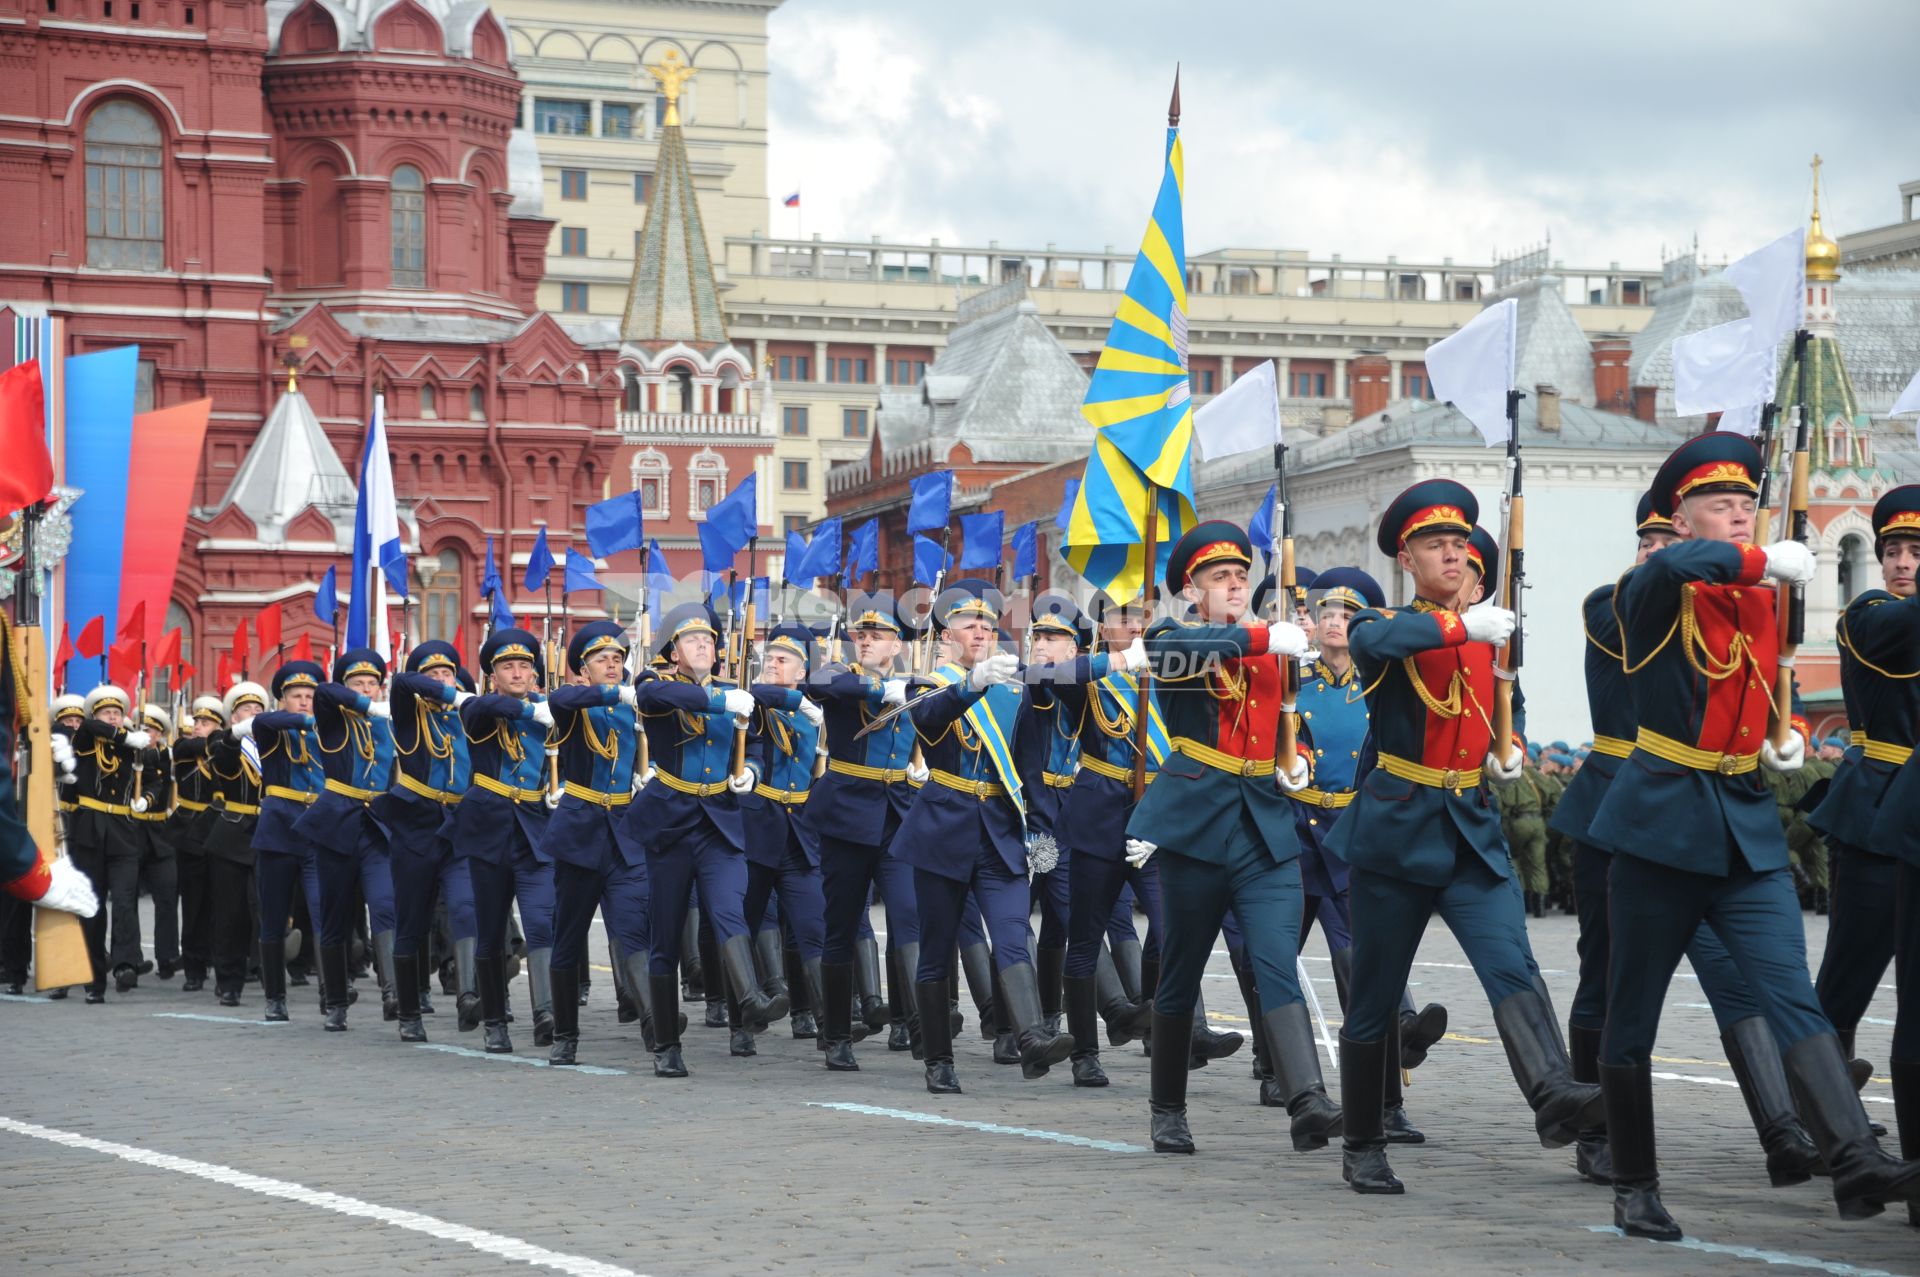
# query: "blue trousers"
1004, 901
1860, 932
1483, 911
495, 887
614, 886
1195, 897
803, 906
1720, 980
847, 871
1335, 918
1053, 892
274, 876
339, 874
418, 876
705, 855
1096, 885
1654, 910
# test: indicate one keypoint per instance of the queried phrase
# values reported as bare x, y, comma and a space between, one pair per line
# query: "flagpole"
1512, 583
1793, 601
1148, 588
1287, 588
742, 676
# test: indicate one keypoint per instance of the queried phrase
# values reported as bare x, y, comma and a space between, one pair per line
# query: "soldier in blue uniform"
500, 825
355, 734
290, 780
1695, 833
1219, 817
855, 809
1056, 631
1423, 837
691, 814
966, 831
233, 899
431, 775
1749, 1042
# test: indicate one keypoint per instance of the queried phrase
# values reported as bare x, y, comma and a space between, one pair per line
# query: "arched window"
630, 392
125, 225
476, 403
683, 382
429, 400
409, 201
649, 472
708, 482
1856, 567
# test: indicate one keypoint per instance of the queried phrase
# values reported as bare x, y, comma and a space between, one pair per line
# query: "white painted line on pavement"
220, 1019
24, 997
991, 1128
591, 1070
1772, 1257
1723, 1081
497, 1244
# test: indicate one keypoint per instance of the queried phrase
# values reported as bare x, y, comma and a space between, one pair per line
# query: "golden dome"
1823, 255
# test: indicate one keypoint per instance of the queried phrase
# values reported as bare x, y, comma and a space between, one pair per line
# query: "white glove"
461, 698
1793, 755
137, 739
1506, 770
1489, 624
628, 696
820, 749
1791, 563
893, 692
918, 775
64, 759
812, 712
743, 783
543, 713
139, 805
380, 709
1292, 782
738, 703
69, 891
1134, 659
243, 730
645, 778
1001, 667
1284, 638
1139, 850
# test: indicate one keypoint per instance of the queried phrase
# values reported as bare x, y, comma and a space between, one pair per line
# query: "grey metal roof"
1550, 348
292, 465
414, 325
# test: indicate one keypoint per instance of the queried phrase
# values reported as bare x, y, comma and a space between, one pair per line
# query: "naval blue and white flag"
376, 543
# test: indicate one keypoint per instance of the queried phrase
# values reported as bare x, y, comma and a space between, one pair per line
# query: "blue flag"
659, 576
796, 559
932, 501
579, 573
615, 524
927, 560
490, 582
731, 522
1260, 526
539, 562
1066, 505
326, 603
981, 537
762, 597
502, 617
1026, 550
823, 552
863, 548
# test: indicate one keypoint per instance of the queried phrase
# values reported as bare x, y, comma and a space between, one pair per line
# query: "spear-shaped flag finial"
1173, 107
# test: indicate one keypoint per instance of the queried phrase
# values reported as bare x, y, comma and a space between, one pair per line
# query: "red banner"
28, 475
160, 478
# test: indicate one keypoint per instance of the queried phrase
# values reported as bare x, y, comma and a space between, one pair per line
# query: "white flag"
1771, 281
1720, 368
1909, 400
1241, 418
376, 542
1474, 368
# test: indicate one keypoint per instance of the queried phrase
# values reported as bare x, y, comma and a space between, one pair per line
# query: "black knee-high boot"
566, 1015
1363, 1149
936, 1031
491, 975
1637, 1209
406, 978
1167, 1081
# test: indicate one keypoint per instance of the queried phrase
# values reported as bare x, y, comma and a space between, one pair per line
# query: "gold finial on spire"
1823, 255
672, 77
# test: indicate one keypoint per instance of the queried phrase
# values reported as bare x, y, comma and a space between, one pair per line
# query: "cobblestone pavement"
162, 1133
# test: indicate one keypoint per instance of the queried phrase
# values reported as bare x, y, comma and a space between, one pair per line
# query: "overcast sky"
1409, 127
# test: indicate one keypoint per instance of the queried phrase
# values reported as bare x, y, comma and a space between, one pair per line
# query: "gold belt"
1453, 778
1881, 751
981, 789
112, 809
1058, 780
291, 795
1325, 799
240, 809
791, 797
351, 791
425, 790
860, 771
154, 817
1612, 746
620, 799
67, 806
1704, 760
1220, 760
699, 789
188, 804
1113, 771
505, 790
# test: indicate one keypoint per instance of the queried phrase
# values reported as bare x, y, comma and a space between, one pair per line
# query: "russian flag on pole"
376, 542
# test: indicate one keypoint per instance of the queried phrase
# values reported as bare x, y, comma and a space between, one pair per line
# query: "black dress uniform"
233, 901
100, 838
192, 818
153, 829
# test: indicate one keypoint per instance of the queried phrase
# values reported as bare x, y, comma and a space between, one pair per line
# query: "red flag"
268, 628
241, 651
168, 652
135, 626
223, 676
458, 644
186, 673
93, 638
123, 662
63, 653
28, 475
303, 648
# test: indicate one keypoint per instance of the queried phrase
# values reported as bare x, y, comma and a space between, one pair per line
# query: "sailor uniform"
101, 839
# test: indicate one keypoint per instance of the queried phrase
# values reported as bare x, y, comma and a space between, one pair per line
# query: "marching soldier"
152, 831
28, 875
101, 838
193, 818
1057, 631
1693, 831
233, 901
1422, 836
1219, 817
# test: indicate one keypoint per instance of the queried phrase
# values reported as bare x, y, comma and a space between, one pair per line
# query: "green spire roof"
672, 296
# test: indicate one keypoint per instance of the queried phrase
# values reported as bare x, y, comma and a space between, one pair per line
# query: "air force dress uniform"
290, 780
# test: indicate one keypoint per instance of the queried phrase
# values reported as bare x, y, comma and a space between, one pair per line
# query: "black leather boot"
1079, 996
1755, 1056
333, 986
976, 964
273, 982
1250, 995
491, 975
1906, 1112
1562, 1107
1394, 1122
566, 1015
1124, 1019
1006, 1042
866, 982
770, 962
1637, 1210
1051, 967
467, 1004
757, 1009
1140, 977
540, 987
384, 974
835, 982
1419, 1030
1363, 1146
668, 1024
1865, 1178
693, 958
406, 980
1167, 1083
1862, 1070
1296, 1069
937, 1033
904, 1035
626, 1007
1207, 1043
636, 985
739, 1037
1040, 1047
801, 996
1591, 1158
715, 979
